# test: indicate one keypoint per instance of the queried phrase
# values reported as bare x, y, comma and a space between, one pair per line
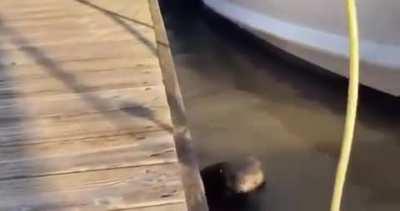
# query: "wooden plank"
101, 20
80, 145
71, 37
195, 196
156, 206
73, 28
22, 131
74, 104
107, 189
145, 65
122, 152
135, 13
162, 207
27, 3
137, 10
82, 22
75, 9
60, 81
50, 56
46, 12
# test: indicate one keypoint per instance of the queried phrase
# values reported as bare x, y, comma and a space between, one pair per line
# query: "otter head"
243, 176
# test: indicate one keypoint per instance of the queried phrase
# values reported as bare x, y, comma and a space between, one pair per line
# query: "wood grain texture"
156, 206
61, 127
84, 145
84, 118
142, 100
145, 64
51, 55
56, 82
163, 207
106, 189
122, 153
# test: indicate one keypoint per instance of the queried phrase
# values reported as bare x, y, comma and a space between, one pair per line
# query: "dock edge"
193, 186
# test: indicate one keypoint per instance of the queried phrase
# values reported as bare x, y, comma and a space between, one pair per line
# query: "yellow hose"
352, 102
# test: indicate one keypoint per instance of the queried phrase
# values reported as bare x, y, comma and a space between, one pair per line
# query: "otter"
234, 179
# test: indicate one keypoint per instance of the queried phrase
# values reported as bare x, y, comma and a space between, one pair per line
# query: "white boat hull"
316, 31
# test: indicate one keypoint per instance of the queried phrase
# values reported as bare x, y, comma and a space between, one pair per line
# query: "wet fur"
215, 179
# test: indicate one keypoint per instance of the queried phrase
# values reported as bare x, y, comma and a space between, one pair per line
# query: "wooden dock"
88, 100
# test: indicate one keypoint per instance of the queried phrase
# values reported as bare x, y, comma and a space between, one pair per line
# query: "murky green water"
243, 100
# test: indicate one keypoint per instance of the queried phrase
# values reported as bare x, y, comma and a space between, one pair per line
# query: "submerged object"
234, 178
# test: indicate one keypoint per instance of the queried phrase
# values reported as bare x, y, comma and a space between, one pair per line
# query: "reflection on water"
241, 99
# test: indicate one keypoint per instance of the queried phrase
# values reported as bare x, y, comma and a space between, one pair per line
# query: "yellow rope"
352, 100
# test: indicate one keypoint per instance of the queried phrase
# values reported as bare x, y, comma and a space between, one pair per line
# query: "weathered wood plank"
161, 207
145, 64
71, 37
69, 29
73, 104
76, 9
138, 11
68, 21
92, 25
156, 206
26, 3
34, 5
195, 196
50, 56
60, 81
81, 145
107, 189
46, 11
122, 152
21, 131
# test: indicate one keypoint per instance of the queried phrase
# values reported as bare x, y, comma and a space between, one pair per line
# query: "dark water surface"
241, 100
